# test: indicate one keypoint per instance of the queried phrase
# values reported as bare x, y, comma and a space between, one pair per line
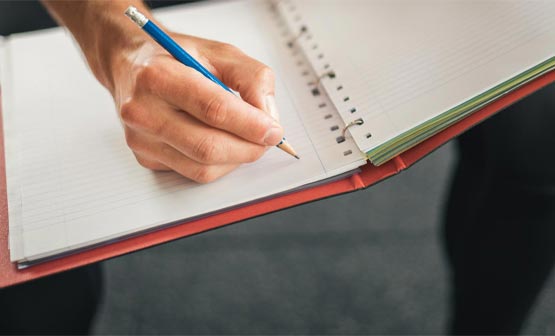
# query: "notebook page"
401, 63
76, 183
7, 126
318, 114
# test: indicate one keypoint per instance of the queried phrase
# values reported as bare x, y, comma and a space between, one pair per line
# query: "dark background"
366, 262
25, 15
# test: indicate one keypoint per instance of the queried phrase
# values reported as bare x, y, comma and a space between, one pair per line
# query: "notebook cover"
9, 275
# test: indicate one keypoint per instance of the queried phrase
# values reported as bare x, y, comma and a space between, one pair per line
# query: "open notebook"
396, 72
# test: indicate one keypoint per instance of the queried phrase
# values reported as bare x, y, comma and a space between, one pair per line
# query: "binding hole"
314, 47
299, 63
320, 56
292, 42
340, 139
346, 99
326, 66
334, 128
329, 74
353, 110
305, 73
315, 92
368, 135
322, 105
347, 152
327, 116
340, 87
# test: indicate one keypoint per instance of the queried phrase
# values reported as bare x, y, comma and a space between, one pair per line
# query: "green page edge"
411, 138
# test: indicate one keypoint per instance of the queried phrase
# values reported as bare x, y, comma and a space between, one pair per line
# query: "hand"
175, 118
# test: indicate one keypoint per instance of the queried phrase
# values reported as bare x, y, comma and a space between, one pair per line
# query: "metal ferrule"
137, 17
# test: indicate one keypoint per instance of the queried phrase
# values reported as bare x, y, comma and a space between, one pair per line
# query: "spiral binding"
328, 74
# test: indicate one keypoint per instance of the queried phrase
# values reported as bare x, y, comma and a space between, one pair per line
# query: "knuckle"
127, 111
147, 74
152, 76
132, 113
206, 150
204, 174
264, 74
227, 48
148, 164
132, 140
215, 112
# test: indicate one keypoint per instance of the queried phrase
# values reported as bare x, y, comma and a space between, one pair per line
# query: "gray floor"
367, 262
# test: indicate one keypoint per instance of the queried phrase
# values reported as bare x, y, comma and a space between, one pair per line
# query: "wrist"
101, 29
112, 45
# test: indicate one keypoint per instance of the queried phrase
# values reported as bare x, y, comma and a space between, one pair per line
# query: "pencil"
184, 57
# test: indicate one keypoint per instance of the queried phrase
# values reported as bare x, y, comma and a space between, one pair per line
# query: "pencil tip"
297, 157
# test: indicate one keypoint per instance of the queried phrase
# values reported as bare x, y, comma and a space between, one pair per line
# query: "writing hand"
173, 117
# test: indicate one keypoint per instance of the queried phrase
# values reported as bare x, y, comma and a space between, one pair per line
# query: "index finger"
190, 91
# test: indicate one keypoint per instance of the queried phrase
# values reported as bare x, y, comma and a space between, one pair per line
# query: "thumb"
252, 79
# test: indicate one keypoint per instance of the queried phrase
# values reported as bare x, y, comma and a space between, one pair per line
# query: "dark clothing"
63, 303
500, 221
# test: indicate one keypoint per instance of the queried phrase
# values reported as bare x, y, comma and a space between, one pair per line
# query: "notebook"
357, 83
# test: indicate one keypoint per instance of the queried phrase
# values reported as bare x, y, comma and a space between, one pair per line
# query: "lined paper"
74, 182
402, 63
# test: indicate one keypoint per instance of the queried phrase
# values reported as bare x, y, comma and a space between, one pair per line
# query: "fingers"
187, 135
150, 164
176, 119
190, 91
160, 156
253, 79
208, 145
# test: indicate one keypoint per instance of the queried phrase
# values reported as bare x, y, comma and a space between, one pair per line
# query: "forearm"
101, 29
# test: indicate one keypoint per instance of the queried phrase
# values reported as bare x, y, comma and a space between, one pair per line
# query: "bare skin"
173, 117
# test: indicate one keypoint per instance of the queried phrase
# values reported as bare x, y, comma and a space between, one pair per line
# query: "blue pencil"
184, 57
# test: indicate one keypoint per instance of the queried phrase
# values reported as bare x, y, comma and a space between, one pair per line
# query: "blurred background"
369, 262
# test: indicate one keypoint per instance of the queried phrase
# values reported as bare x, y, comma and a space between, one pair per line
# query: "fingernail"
273, 135
271, 107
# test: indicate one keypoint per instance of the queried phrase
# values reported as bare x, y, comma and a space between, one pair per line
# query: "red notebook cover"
10, 275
